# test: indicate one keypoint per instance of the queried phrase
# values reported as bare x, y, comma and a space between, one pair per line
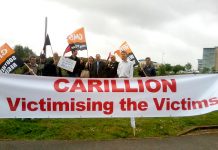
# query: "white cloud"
178, 29
24, 24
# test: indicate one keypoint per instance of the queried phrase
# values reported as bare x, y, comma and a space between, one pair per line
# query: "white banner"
24, 96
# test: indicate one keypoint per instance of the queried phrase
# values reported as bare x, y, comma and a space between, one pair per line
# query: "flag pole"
52, 50
46, 22
30, 69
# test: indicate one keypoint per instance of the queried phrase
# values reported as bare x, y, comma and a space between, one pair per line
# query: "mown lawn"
95, 129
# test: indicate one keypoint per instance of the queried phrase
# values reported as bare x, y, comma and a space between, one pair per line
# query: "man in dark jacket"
41, 65
148, 70
77, 69
111, 68
98, 69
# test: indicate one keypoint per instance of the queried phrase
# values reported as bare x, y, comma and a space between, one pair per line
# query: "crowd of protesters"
93, 68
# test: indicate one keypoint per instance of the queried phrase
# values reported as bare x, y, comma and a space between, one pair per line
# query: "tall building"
200, 65
210, 59
216, 59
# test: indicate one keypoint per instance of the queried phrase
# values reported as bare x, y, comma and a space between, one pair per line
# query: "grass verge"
99, 129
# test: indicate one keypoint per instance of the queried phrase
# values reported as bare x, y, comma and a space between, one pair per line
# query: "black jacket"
111, 69
149, 71
77, 68
101, 71
51, 69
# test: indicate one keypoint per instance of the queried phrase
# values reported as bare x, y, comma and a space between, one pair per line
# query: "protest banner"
54, 97
8, 60
66, 63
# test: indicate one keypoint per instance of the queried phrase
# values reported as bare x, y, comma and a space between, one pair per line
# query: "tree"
162, 70
188, 66
206, 70
213, 69
168, 68
23, 52
178, 68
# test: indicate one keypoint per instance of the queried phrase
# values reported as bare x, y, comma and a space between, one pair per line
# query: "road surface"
191, 142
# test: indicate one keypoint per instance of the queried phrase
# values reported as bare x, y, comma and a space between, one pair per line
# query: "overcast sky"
171, 31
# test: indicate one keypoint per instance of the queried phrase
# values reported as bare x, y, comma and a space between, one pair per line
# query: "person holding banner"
41, 66
89, 63
98, 69
86, 73
148, 69
56, 58
31, 68
77, 69
51, 68
125, 68
112, 67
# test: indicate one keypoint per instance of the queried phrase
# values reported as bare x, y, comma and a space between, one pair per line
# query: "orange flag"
118, 52
77, 36
5, 52
8, 60
76, 41
125, 47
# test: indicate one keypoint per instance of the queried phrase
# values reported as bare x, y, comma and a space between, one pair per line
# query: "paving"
188, 142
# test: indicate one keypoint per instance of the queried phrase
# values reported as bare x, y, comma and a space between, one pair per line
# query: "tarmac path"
190, 142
